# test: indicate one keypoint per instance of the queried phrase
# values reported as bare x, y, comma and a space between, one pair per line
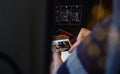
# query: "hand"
57, 61
82, 34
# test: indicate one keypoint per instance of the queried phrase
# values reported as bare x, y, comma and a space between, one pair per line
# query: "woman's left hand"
82, 35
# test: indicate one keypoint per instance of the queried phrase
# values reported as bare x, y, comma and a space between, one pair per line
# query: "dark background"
86, 14
24, 37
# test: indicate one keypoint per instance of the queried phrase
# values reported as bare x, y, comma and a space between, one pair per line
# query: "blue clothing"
90, 56
113, 60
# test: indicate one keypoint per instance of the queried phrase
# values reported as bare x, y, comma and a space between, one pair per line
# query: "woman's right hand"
56, 62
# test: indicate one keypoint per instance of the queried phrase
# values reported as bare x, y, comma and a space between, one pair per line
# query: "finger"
74, 46
57, 56
57, 60
58, 52
83, 33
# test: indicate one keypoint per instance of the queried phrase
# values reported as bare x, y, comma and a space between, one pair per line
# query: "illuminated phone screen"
63, 45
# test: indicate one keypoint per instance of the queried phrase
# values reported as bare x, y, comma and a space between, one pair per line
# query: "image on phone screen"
63, 45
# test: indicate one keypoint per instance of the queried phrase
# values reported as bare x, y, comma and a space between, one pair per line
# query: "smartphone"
62, 45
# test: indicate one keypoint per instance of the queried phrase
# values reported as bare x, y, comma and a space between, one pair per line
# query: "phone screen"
62, 44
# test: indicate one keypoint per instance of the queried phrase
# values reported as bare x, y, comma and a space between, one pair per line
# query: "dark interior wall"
24, 48
14, 36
